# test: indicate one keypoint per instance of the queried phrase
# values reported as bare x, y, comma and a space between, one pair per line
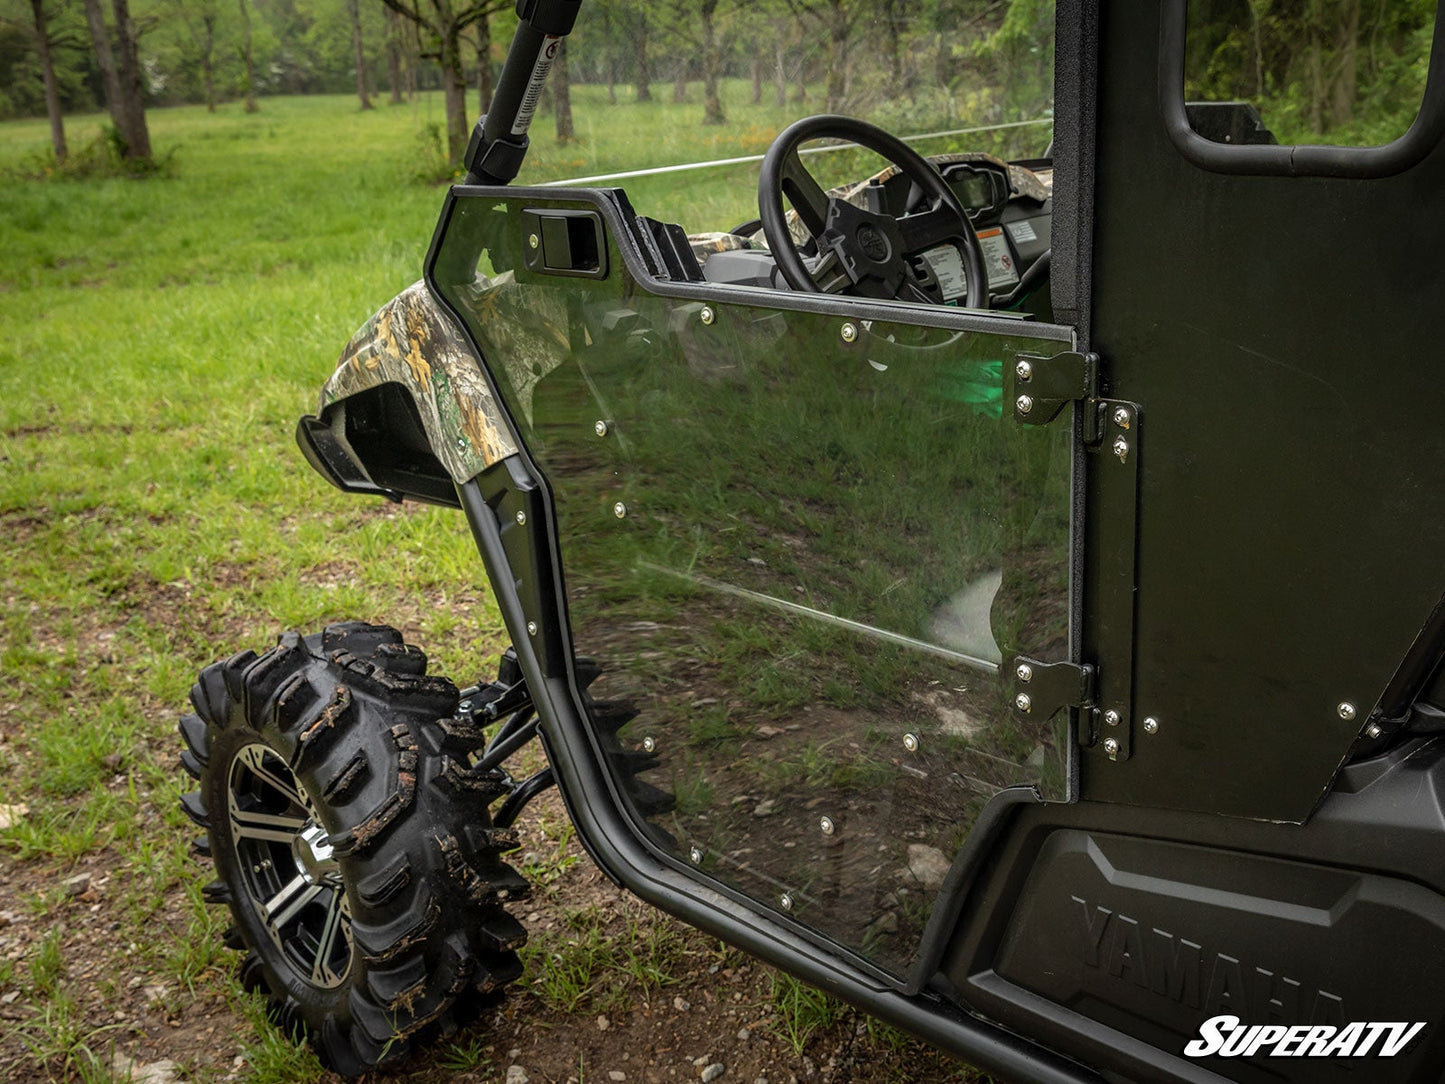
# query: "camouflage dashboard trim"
413, 342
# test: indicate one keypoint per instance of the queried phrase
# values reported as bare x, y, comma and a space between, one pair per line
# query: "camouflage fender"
413, 342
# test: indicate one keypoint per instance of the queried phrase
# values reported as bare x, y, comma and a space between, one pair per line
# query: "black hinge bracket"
1043, 386
1043, 688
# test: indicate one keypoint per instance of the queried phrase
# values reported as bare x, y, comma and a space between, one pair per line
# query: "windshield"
699, 93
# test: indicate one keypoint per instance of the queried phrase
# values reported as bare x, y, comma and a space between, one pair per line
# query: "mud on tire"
352, 841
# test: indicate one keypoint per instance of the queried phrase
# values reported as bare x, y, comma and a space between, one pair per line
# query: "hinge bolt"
1346, 710
1121, 449
1122, 418
1373, 731
708, 316
786, 899
850, 333
521, 519
1024, 371
1023, 703
910, 742
1151, 725
825, 825
1024, 404
1024, 672
1112, 748
600, 428
534, 241
649, 744
531, 628
619, 510
1111, 717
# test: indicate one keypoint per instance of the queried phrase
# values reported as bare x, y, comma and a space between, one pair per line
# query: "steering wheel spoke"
806, 195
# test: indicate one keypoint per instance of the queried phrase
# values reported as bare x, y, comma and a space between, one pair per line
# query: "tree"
120, 78
562, 95
444, 21
247, 50
693, 25
394, 51
353, 9
52, 93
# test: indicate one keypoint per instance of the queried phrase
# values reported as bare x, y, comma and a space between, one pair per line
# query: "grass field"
158, 339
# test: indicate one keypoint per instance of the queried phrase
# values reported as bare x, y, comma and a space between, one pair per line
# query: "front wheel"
352, 841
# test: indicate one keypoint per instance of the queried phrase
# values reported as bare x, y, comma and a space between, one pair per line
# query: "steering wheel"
872, 249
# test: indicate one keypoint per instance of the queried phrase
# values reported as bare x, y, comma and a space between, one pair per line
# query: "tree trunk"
393, 55
359, 48
711, 67
486, 80
454, 88
780, 66
679, 81
801, 94
757, 79
837, 56
249, 56
893, 31
137, 135
105, 61
207, 58
47, 70
1343, 85
639, 54
562, 95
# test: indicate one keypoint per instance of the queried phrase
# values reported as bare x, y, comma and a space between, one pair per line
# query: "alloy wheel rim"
290, 875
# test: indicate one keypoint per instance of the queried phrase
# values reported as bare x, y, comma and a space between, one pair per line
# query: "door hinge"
1043, 386
1042, 688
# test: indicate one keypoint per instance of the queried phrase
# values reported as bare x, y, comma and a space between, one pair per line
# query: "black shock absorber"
499, 142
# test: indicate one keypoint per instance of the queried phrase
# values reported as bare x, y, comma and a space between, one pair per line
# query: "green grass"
158, 339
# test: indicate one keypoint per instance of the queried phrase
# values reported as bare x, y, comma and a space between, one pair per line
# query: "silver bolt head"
708, 316
1373, 731
1024, 672
1151, 725
600, 428
1023, 702
850, 333
1121, 447
786, 899
825, 825
649, 744
465, 705
910, 742
1122, 418
521, 519
1024, 371
534, 241
1024, 404
696, 855
1111, 717
1111, 747
1346, 710
461, 444
619, 510
531, 628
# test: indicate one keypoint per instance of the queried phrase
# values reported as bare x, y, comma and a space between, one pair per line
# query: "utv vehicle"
1007, 596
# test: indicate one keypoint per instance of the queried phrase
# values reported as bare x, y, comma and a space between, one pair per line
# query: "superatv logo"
1227, 1037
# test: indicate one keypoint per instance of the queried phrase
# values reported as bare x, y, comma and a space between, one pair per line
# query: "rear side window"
1340, 72
1346, 88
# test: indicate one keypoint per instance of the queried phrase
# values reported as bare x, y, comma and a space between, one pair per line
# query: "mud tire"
378, 760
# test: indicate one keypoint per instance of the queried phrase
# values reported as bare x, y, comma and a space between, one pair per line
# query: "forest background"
1346, 71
